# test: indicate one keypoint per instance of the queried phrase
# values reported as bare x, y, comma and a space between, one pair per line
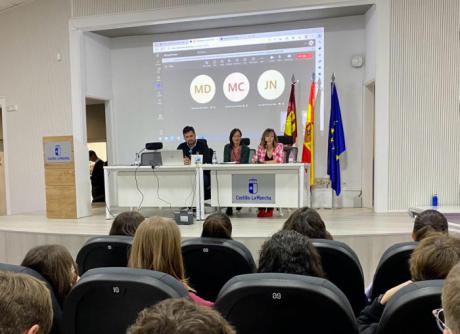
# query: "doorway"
96, 130
368, 148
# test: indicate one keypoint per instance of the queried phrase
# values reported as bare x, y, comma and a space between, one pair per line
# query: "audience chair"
107, 300
104, 251
409, 311
57, 311
342, 267
273, 303
393, 268
211, 262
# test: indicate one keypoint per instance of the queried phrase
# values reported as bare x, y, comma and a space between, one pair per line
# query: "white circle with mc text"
236, 87
271, 84
202, 89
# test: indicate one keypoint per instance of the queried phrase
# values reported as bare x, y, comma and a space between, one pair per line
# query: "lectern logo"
253, 186
57, 150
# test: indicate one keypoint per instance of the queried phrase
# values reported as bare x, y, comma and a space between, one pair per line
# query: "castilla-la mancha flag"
290, 128
308, 142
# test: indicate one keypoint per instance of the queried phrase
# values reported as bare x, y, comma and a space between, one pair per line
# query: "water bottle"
214, 158
434, 200
291, 158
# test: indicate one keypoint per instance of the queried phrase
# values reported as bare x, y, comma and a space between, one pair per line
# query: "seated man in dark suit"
193, 146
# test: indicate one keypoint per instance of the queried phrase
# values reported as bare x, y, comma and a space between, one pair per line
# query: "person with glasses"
433, 258
450, 310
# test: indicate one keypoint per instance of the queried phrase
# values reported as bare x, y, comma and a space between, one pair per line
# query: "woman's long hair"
157, 246
266, 133
56, 265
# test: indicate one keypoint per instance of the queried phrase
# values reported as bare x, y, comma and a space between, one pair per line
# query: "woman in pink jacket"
269, 151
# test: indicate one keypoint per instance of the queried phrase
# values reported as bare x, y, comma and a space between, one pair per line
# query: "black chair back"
342, 267
285, 140
393, 268
57, 310
108, 300
284, 303
211, 262
104, 251
409, 311
246, 141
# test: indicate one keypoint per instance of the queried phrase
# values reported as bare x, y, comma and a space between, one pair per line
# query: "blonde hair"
451, 299
157, 246
266, 133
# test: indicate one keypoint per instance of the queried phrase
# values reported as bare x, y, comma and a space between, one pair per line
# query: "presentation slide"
222, 82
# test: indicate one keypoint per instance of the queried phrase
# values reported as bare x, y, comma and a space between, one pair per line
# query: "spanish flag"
308, 152
290, 127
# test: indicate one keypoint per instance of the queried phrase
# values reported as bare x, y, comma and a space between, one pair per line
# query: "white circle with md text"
236, 87
202, 89
271, 84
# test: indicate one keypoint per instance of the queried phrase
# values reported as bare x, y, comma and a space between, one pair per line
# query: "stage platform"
368, 233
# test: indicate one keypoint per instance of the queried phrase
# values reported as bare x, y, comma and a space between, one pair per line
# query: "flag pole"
333, 77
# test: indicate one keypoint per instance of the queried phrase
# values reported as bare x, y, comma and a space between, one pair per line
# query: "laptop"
172, 158
151, 159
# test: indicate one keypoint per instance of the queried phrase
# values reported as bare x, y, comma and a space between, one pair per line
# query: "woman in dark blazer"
237, 152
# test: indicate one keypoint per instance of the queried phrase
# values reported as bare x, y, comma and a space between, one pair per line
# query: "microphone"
154, 146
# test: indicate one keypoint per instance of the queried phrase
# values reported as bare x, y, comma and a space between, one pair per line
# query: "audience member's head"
427, 222
157, 246
307, 222
451, 300
180, 316
291, 253
126, 223
217, 225
25, 305
55, 263
434, 257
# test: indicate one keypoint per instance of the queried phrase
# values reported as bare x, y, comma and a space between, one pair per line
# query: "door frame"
5, 154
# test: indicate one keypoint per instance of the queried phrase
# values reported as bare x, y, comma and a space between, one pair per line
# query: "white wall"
371, 43
132, 65
31, 77
98, 66
424, 140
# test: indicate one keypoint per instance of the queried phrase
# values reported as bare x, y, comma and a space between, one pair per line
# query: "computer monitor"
151, 159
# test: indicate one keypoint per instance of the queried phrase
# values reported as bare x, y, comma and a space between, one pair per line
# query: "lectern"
60, 177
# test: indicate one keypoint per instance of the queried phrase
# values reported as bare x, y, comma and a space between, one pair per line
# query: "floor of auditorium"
367, 232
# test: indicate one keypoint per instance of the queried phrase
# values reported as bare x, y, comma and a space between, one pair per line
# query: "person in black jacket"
97, 178
433, 258
192, 146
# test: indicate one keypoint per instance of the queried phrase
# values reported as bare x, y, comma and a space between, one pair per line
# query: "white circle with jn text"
202, 89
236, 87
271, 84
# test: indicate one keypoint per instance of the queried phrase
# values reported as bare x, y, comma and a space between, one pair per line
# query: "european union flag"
336, 141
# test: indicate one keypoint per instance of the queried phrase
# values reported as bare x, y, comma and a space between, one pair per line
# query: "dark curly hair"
291, 253
427, 222
307, 222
